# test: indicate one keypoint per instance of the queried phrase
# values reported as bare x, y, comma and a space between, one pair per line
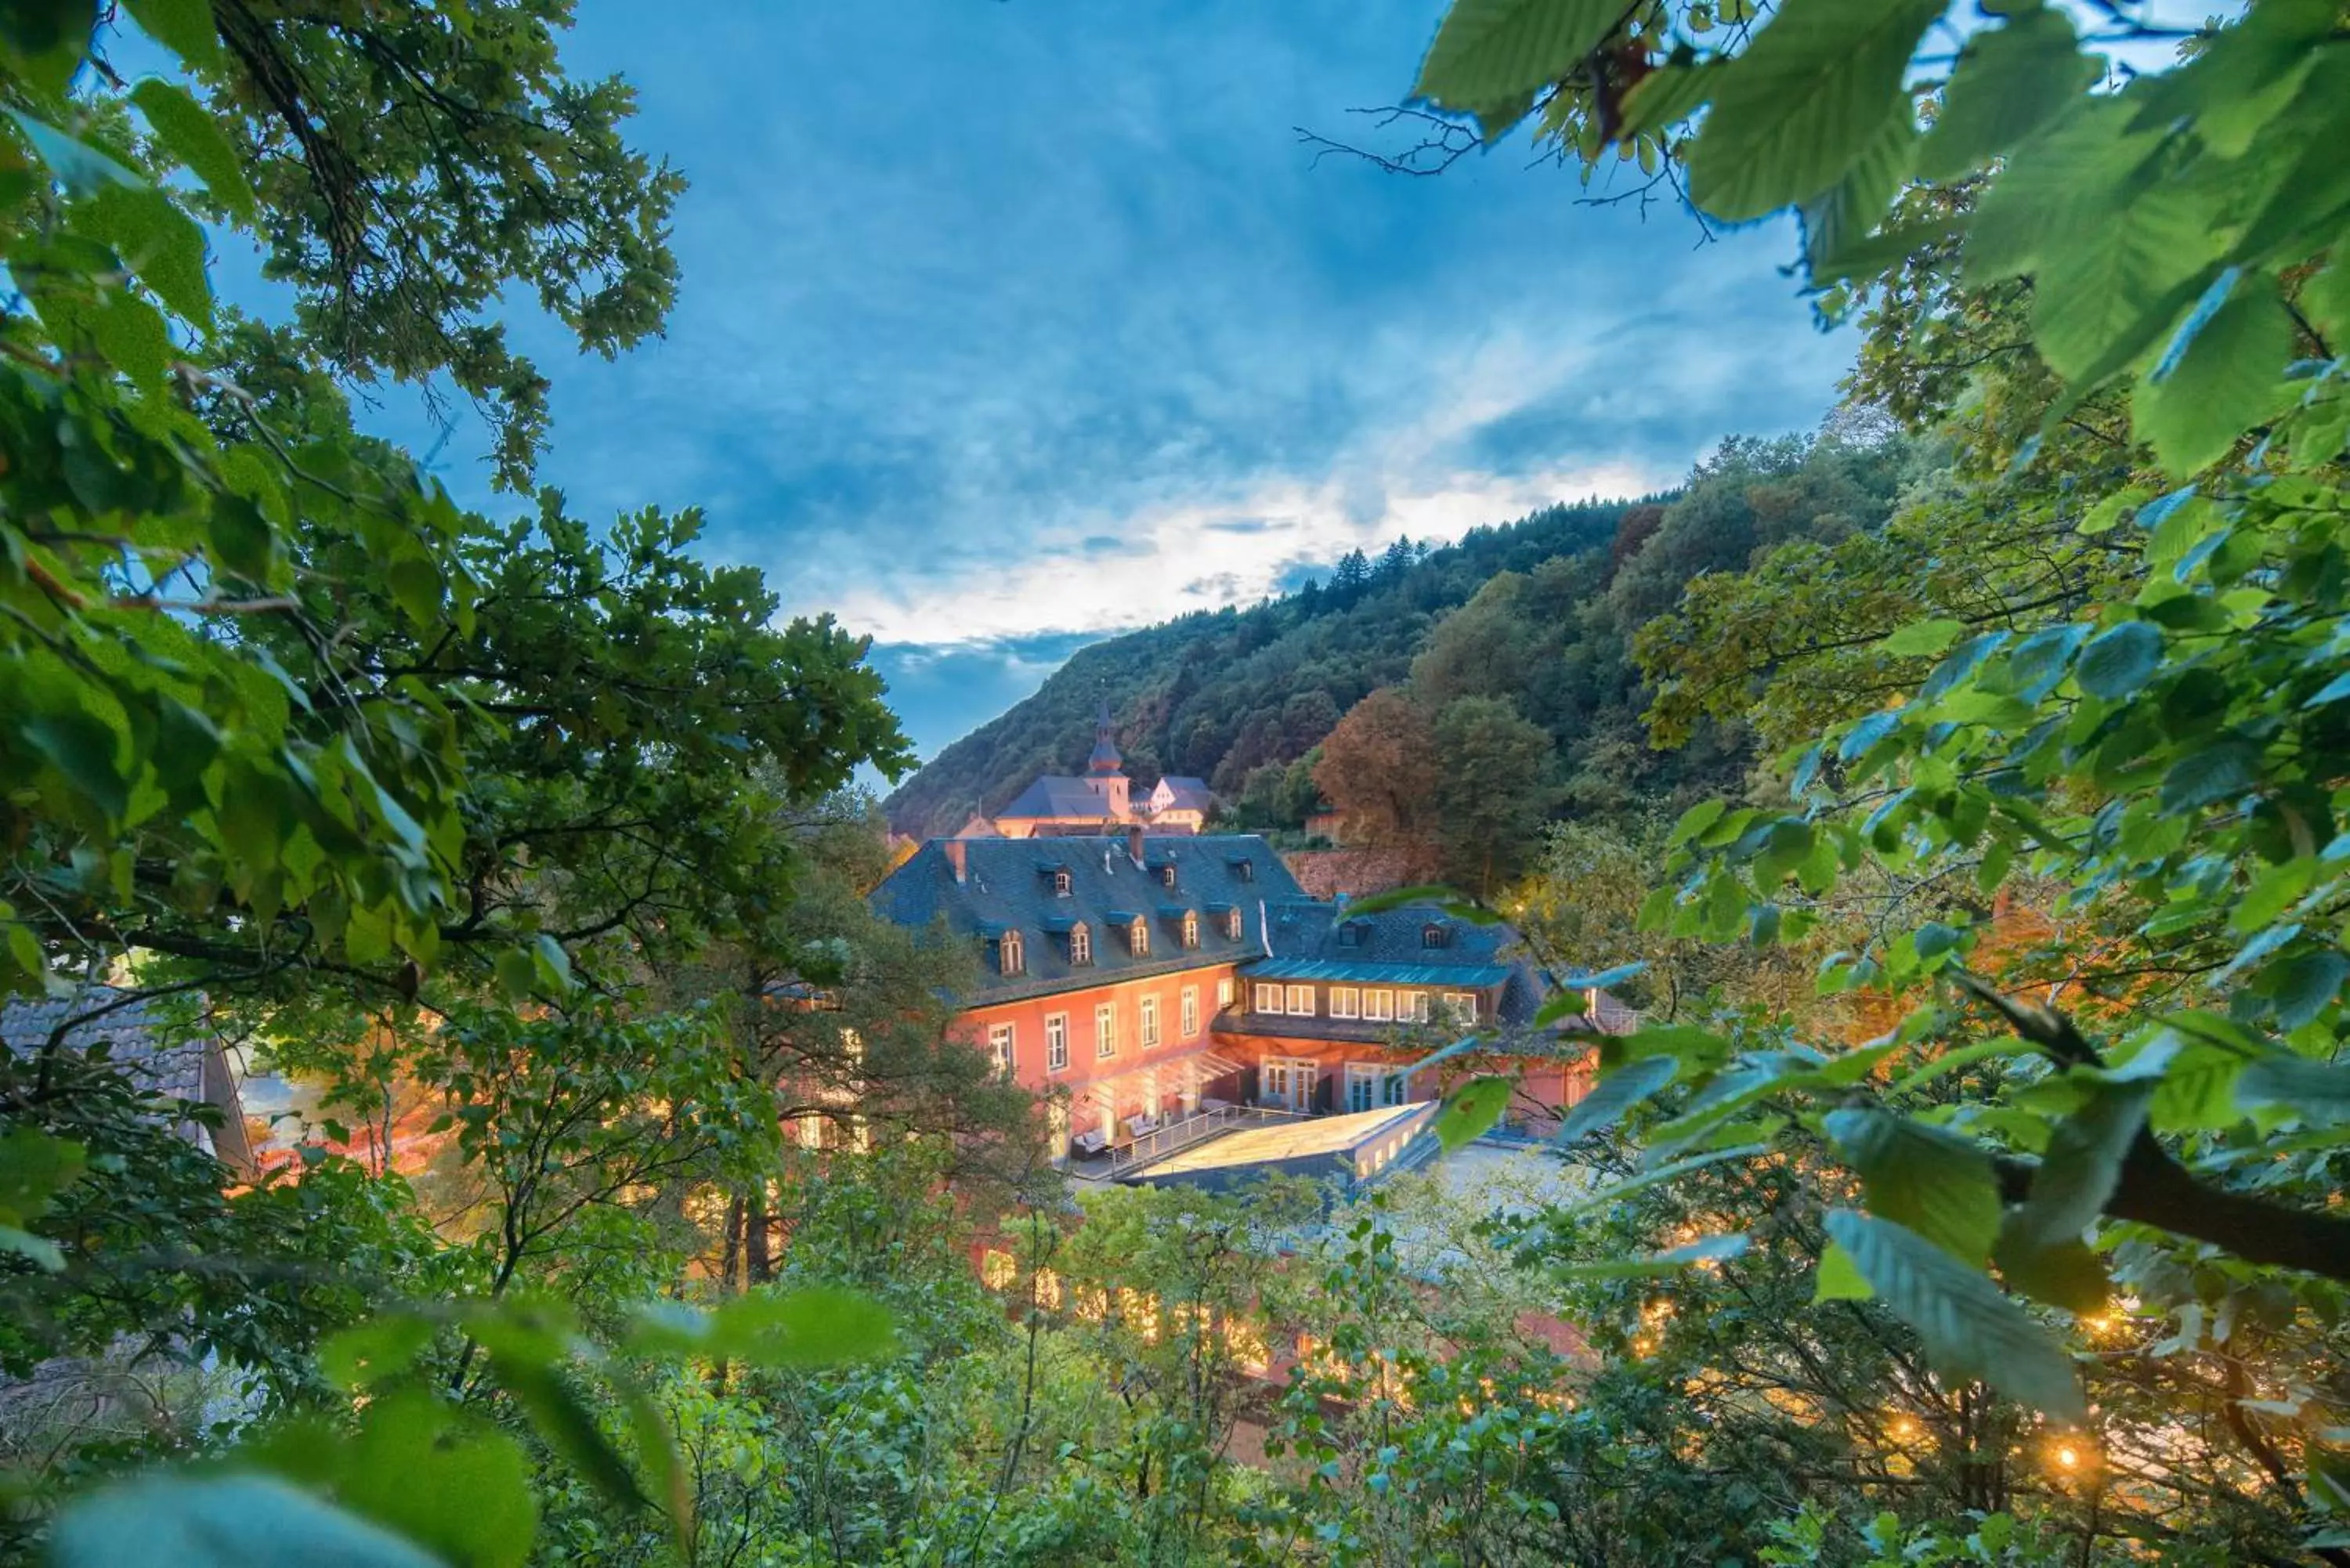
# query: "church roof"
1054, 794
1008, 883
1104, 758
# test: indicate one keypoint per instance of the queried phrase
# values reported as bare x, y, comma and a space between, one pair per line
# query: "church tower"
1105, 770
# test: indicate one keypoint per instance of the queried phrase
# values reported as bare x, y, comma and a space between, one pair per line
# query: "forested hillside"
1541, 614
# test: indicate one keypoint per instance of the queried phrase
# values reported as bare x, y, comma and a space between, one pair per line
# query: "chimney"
1134, 842
959, 857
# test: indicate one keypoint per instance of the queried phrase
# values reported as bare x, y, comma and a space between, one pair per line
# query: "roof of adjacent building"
1289, 1140
1008, 883
1056, 794
1342, 972
1184, 792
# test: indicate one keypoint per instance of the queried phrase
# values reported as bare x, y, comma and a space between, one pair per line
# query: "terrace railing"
1162, 1141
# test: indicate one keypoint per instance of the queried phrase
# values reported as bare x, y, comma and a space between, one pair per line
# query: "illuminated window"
1232, 924
1190, 1011
1105, 1030
997, 1270
1268, 998
1167, 873
1081, 945
1378, 1005
1345, 1002
999, 1046
1461, 1005
1056, 1042
1009, 951
809, 1131
1225, 992
1150, 1022
1301, 1000
1190, 928
1138, 937
1412, 1006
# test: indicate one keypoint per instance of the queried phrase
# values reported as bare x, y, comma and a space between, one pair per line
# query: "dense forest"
1535, 622
1961, 793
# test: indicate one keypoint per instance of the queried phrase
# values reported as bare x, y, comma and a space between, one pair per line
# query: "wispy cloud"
1004, 324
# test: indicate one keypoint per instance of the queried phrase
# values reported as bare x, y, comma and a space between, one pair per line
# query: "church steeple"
1104, 758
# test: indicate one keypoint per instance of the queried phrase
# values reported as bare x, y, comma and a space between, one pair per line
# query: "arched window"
1081, 945
1190, 928
1138, 937
1232, 924
1431, 935
1009, 951
1167, 873
1060, 884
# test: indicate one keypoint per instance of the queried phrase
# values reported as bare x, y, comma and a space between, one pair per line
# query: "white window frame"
1012, 953
1061, 884
1105, 1031
1378, 1005
1081, 945
1190, 928
1056, 1042
1137, 939
1149, 1030
1189, 1003
1268, 997
1232, 924
1411, 1006
1300, 1001
1461, 1005
1226, 989
1345, 1002
1001, 1048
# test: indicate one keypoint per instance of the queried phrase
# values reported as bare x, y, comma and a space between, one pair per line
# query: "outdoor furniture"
1090, 1145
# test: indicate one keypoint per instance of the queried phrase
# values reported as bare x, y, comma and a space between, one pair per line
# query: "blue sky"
1006, 323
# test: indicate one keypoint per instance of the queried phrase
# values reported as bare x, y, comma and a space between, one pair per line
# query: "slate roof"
1055, 794
137, 1041
1009, 883
175, 1071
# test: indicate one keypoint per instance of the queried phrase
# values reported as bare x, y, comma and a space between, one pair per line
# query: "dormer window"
1350, 935
1167, 873
1244, 870
1060, 884
1232, 924
1009, 955
1138, 937
1433, 935
1081, 945
1190, 928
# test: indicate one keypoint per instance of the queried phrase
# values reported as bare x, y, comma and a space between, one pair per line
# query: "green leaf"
1967, 1327
1696, 820
1837, 224
1704, 1250
82, 169
189, 133
1794, 112
1935, 1182
157, 242
2217, 773
447, 1482
568, 1426
2115, 664
243, 542
2303, 987
1615, 1095
133, 337
1488, 51
819, 1326
2080, 1169
1666, 96
368, 1352
183, 26
415, 582
214, 1522
1470, 1111
1397, 899
2011, 81
1921, 638
2226, 378
2068, 1275
554, 964
83, 752
38, 26
1837, 1279
2325, 299
34, 1167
